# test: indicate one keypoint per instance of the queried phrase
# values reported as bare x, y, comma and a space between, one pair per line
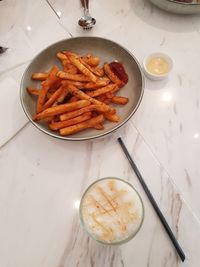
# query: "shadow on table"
161, 19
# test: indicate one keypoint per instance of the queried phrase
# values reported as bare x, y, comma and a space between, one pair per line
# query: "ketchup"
118, 69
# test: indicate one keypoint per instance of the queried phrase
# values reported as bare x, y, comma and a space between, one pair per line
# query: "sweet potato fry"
77, 84
70, 53
39, 76
73, 114
81, 95
109, 95
52, 111
62, 56
76, 62
73, 77
69, 68
112, 117
78, 96
81, 126
120, 100
63, 95
96, 70
50, 81
98, 126
49, 119
102, 90
90, 60
53, 98
33, 91
62, 124
93, 86
112, 76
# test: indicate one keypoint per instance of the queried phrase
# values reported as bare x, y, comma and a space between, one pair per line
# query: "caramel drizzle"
112, 205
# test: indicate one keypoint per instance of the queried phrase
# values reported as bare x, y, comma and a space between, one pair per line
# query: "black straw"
153, 202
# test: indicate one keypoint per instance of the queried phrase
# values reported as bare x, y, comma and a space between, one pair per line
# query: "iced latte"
111, 211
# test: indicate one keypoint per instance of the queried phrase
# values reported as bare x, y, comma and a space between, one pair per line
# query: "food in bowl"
78, 97
111, 211
157, 66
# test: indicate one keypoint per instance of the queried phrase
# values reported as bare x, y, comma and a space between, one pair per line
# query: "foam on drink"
111, 210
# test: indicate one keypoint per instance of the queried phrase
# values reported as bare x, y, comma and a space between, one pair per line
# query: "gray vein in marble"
180, 127
73, 239
71, 35
53, 9
175, 109
170, 181
161, 184
176, 210
188, 178
14, 135
180, 79
151, 246
75, 224
163, 41
197, 103
14, 67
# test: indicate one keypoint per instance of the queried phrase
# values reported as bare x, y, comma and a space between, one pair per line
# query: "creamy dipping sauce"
158, 66
111, 211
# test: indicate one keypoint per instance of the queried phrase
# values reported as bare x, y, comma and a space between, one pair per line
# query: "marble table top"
42, 178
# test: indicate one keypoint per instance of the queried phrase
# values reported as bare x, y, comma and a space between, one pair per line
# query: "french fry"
112, 117
33, 91
53, 98
49, 119
62, 56
69, 68
76, 62
70, 53
78, 96
73, 99
73, 77
73, 114
98, 126
56, 110
63, 95
92, 86
39, 76
120, 100
79, 85
90, 60
96, 70
81, 95
102, 90
109, 95
112, 76
51, 80
62, 124
81, 126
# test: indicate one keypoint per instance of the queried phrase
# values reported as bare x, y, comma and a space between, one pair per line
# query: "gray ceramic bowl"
108, 51
178, 8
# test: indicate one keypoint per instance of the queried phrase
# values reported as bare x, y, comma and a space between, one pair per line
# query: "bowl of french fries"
81, 88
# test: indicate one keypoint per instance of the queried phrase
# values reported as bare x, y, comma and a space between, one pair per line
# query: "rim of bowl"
165, 56
182, 3
37, 125
83, 223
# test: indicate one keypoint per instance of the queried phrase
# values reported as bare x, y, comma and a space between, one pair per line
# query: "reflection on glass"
196, 136
77, 204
